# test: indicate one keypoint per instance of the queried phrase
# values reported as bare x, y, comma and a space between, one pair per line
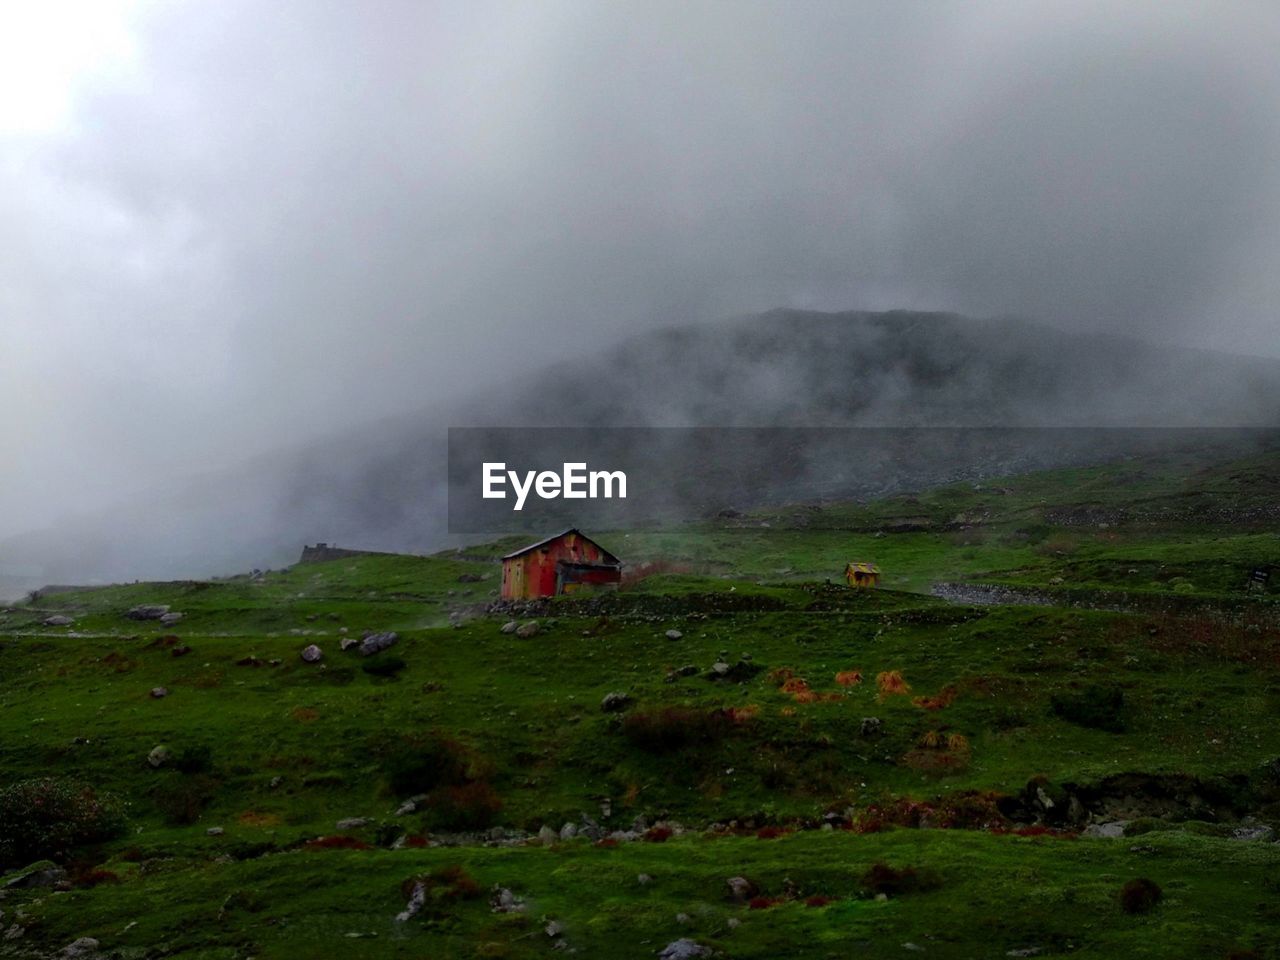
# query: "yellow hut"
862, 574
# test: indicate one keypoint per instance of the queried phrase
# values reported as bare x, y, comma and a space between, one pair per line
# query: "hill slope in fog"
381, 487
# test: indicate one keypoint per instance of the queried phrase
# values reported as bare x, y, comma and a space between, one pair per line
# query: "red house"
560, 564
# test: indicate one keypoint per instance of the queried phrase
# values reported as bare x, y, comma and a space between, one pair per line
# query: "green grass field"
1166, 721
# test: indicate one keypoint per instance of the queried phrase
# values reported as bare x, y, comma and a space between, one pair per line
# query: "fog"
247, 227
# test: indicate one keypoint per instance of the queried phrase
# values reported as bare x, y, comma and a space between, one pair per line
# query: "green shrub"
892, 882
197, 759
672, 728
1140, 895
50, 816
1097, 707
470, 806
423, 764
383, 666
181, 800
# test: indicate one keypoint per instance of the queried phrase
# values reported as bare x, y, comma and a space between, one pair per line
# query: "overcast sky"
228, 226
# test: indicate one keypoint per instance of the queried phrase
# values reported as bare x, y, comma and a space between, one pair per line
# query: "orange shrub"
849, 678
890, 683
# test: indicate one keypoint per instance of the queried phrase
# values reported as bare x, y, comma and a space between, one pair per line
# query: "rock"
720, 668
158, 756
613, 702
741, 889
417, 897
346, 643
683, 919
169, 619
1024, 952
469, 578
215, 832
674, 634
275, 783
1111, 831
57, 620
733, 923
1250, 829
644, 879
554, 929
913, 947
312, 653
568, 831
509, 627
683, 949
353, 823
84, 947
871, 726
527, 630
148, 611
159, 693
42, 873
504, 901
377, 642
547, 836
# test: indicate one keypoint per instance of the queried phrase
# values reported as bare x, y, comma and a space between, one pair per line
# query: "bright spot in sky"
49, 49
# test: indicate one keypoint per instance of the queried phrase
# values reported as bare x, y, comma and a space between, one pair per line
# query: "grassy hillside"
1024, 761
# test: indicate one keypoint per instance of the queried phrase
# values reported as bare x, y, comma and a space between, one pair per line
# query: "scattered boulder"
504, 901
158, 756
674, 634
735, 672
58, 620
1250, 829
346, 643
1111, 831
741, 889
83, 948
527, 630
644, 879
312, 653
417, 898
353, 823
377, 642
169, 619
613, 702
42, 873
148, 611
547, 836
554, 929
469, 578
568, 831
215, 832
159, 693
871, 726
683, 949
509, 627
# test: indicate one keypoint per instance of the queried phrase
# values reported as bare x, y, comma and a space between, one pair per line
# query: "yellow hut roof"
858, 566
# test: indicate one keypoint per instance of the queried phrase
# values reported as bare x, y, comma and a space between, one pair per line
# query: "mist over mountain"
381, 487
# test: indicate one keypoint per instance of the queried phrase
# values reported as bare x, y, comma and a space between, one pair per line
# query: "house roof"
564, 533
857, 566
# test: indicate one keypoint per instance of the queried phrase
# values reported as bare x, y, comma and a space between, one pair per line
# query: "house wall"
533, 574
